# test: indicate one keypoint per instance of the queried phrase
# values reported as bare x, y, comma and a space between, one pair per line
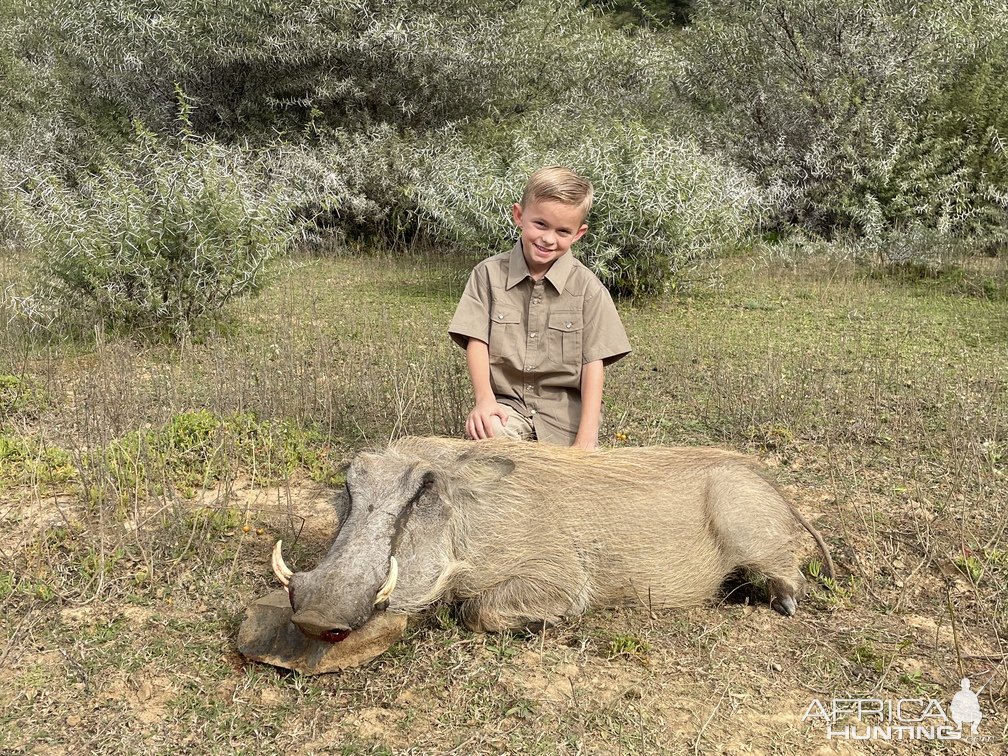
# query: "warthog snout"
313, 623
325, 621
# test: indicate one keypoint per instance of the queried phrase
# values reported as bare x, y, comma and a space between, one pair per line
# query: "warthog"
521, 534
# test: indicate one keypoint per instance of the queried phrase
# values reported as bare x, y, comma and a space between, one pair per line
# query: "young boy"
538, 327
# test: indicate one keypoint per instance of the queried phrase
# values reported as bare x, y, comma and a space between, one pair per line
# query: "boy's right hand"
479, 424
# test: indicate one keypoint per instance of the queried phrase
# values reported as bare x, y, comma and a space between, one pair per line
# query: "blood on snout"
334, 636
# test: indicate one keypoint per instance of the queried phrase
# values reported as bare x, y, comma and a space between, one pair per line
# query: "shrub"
352, 185
49, 115
30, 461
830, 100
661, 204
970, 116
160, 241
292, 68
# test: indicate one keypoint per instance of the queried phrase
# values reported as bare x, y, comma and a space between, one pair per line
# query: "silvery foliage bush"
300, 68
352, 184
827, 102
661, 203
160, 240
47, 115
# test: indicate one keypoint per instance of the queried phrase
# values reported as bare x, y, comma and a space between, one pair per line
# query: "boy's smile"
548, 230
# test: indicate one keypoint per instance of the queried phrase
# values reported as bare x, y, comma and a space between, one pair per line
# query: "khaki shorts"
518, 428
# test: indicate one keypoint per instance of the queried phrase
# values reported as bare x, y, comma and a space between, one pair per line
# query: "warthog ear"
466, 477
472, 467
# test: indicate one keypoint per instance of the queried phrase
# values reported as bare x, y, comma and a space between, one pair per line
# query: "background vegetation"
704, 124
803, 204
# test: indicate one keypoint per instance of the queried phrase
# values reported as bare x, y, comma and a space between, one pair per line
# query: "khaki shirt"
540, 333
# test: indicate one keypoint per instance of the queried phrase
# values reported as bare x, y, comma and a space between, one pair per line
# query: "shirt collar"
557, 275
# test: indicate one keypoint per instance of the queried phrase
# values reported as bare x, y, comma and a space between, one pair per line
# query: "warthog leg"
520, 603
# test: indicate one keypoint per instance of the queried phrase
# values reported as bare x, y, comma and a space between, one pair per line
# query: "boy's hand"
479, 424
588, 442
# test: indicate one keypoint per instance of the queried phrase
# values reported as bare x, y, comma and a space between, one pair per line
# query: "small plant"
915, 681
836, 595
216, 520
865, 654
7, 584
522, 708
444, 617
623, 645
503, 645
970, 565
771, 436
19, 395
28, 461
186, 448
997, 557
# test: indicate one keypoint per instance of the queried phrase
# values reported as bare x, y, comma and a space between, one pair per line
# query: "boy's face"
548, 230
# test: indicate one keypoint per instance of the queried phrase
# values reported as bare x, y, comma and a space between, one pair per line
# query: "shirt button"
528, 388
532, 335
569, 325
500, 316
528, 368
531, 412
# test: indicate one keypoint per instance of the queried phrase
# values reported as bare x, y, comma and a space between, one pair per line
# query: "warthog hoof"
786, 605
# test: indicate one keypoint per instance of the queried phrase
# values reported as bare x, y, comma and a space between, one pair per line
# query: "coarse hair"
559, 184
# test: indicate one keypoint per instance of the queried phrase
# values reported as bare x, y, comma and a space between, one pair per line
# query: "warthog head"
395, 548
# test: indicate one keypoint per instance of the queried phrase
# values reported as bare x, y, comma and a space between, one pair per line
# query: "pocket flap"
504, 315
566, 321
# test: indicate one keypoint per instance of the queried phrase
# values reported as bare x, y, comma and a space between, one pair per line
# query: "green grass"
141, 487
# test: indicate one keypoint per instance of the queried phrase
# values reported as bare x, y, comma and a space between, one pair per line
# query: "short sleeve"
472, 315
604, 336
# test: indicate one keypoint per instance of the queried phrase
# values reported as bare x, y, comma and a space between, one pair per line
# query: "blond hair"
558, 184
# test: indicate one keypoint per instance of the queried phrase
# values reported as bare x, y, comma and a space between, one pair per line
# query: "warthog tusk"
280, 569
389, 585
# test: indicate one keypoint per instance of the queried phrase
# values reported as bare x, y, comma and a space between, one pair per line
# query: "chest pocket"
563, 333
505, 323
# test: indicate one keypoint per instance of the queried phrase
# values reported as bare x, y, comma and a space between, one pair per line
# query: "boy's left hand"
588, 444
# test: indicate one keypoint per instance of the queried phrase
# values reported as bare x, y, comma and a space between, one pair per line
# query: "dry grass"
141, 486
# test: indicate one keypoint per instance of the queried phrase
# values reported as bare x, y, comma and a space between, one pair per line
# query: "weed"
971, 566
29, 462
624, 645
866, 655
836, 595
20, 396
214, 521
445, 617
521, 708
918, 685
503, 645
